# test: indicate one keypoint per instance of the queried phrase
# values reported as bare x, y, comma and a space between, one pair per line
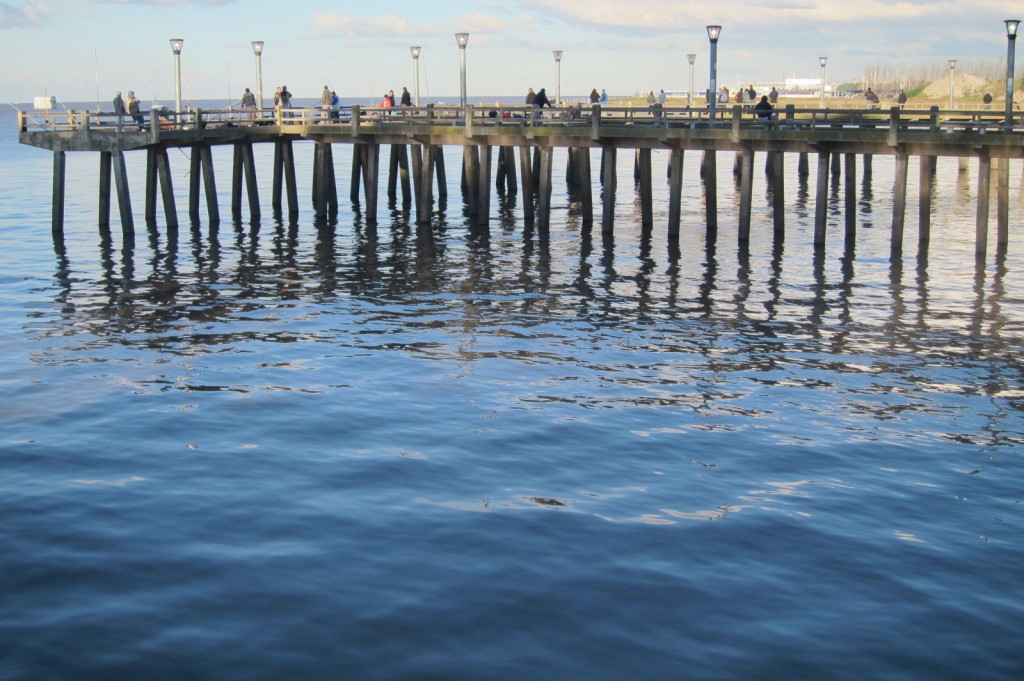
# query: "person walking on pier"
773, 96
901, 99
133, 110
119, 110
539, 102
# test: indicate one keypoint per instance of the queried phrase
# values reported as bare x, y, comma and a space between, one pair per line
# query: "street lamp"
713, 33
690, 58
462, 39
952, 65
176, 44
558, 76
823, 61
257, 49
1011, 37
415, 50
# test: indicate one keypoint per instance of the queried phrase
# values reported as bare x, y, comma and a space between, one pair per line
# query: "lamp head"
822, 61
462, 39
558, 54
690, 58
952, 64
714, 32
176, 44
1011, 27
415, 50
257, 47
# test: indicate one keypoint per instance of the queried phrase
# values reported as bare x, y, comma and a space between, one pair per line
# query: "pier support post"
585, 184
779, 193
899, 201
643, 168
358, 154
1002, 202
209, 183
850, 197
236, 182
124, 198
470, 166
802, 165
546, 155
57, 207
423, 179
195, 173
926, 173
506, 173
675, 191
984, 190
442, 175
746, 193
251, 188
821, 200
483, 184
711, 189
163, 168
609, 182
320, 180
371, 174
398, 170
104, 212
151, 181
526, 170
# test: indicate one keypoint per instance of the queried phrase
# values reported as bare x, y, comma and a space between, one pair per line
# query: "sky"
84, 50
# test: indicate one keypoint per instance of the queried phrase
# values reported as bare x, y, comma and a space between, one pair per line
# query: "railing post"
197, 122
154, 125
595, 121
355, 119
934, 119
430, 112
894, 126
467, 117
737, 116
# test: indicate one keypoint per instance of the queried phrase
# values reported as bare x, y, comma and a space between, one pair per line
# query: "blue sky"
361, 49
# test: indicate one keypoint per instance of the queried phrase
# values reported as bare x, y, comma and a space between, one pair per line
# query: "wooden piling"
926, 174
163, 169
850, 196
821, 200
984, 191
526, 170
746, 193
675, 191
104, 186
1003, 202
609, 182
711, 189
899, 202
124, 198
643, 163
779, 193
546, 155
57, 207
483, 184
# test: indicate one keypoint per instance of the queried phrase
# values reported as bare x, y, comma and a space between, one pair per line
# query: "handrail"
159, 121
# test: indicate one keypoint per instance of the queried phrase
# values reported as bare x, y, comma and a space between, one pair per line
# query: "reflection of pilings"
899, 201
608, 182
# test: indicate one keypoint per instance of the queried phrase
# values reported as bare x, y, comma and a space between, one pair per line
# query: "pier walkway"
417, 137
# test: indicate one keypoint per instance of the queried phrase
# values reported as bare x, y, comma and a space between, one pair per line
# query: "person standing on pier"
530, 96
325, 103
249, 104
604, 98
901, 99
773, 96
764, 109
133, 109
119, 110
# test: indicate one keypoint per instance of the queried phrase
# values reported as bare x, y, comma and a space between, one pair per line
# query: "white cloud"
20, 17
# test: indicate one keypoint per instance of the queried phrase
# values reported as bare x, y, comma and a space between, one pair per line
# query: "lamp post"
690, 58
952, 65
1011, 38
823, 61
713, 33
462, 39
558, 76
257, 49
176, 44
415, 50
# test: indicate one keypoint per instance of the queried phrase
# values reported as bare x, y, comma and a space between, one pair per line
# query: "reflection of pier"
417, 136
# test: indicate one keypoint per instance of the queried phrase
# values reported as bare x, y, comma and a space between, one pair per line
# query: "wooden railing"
158, 121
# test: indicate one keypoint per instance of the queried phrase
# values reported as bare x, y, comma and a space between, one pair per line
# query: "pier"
416, 139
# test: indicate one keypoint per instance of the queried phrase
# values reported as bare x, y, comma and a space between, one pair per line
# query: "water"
293, 451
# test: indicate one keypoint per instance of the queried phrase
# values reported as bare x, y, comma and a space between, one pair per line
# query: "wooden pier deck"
418, 136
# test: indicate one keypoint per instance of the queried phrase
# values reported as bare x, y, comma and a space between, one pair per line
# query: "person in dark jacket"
541, 100
763, 108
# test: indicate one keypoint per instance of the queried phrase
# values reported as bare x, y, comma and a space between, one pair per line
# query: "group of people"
131, 107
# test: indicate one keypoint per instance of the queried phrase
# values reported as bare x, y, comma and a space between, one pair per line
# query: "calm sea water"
380, 452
